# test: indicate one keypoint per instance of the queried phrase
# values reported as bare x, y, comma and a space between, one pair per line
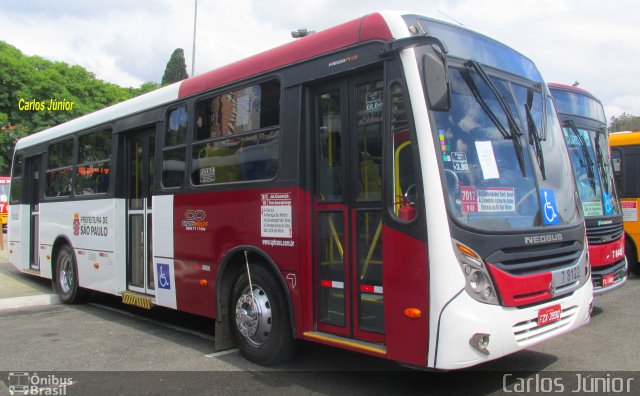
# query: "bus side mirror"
436, 78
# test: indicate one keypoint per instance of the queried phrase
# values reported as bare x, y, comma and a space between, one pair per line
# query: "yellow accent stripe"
350, 344
136, 300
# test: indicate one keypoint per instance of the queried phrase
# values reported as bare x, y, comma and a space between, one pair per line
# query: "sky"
128, 42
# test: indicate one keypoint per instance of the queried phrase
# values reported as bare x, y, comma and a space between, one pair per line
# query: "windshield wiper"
585, 152
534, 136
514, 132
600, 160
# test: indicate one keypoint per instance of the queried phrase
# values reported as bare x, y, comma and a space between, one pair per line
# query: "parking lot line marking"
155, 322
29, 301
222, 353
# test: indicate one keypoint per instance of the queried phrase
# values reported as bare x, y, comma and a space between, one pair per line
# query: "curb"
29, 301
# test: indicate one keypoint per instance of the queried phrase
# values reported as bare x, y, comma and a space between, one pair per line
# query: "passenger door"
347, 207
140, 163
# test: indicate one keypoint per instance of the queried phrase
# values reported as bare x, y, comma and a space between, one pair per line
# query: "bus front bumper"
507, 329
617, 273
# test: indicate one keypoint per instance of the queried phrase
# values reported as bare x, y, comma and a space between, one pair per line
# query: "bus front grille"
526, 260
600, 234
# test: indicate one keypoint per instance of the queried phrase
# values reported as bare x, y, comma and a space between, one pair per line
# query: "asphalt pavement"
107, 347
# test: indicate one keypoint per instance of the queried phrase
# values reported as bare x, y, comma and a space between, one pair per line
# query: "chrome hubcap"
65, 275
253, 318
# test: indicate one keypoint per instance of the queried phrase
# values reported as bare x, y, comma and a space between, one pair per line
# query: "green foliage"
624, 122
32, 78
176, 69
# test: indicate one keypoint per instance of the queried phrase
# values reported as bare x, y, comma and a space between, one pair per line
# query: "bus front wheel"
260, 321
65, 278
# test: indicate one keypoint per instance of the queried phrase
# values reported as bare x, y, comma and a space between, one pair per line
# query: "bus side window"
616, 162
404, 175
59, 169
94, 163
237, 135
174, 151
16, 179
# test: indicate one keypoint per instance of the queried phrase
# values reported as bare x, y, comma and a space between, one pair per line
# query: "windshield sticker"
460, 163
608, 204
629, 210
592, 208
207, 175
493, 199
444, 147
549, 207
487, 160
617, 164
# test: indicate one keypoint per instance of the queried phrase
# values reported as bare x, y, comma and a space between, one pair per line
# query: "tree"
176, 69
624, 122
32, 78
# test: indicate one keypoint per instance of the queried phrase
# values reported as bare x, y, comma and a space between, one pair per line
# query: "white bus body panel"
163, 249
510, 329
17, 232
90, 226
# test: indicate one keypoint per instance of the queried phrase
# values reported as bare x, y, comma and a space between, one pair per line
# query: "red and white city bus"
393, 186
4, 199
585, 130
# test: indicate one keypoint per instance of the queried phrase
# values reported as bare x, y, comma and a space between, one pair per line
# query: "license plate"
549, 315
608, 279
566, 276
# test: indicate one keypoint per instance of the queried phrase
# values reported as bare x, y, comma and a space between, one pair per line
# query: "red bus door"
347, 208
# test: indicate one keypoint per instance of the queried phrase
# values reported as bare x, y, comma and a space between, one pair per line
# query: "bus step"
138, 300
349, 343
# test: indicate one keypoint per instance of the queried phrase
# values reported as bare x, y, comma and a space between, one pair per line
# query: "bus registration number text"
549, 314
608, 280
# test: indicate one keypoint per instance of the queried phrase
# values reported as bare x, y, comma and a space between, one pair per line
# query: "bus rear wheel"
65, 278
632, 264
261, 322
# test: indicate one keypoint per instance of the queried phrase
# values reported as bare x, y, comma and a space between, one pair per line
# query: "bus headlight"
477, 280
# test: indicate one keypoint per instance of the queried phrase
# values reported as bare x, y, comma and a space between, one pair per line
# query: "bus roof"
366, 28
625, 138
571, 88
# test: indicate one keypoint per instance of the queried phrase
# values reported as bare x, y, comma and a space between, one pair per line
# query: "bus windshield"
589, 153
504, 168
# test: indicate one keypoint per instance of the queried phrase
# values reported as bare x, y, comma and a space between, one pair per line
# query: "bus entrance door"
140, 163
32, 184
348, 210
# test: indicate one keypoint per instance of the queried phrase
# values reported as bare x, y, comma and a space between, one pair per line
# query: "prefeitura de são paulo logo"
76, 224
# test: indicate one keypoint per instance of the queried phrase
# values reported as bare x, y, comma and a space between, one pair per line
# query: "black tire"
65, 278
264, 338
632, 263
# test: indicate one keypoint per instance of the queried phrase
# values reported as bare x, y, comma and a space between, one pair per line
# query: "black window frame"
77, 163
49, 170
276, 129
17, 179
165, 148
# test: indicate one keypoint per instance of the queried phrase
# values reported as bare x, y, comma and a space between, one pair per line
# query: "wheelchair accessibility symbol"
549, 207
608, 204
164, 281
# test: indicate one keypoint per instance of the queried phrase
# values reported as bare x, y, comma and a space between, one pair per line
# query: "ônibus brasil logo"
22, 383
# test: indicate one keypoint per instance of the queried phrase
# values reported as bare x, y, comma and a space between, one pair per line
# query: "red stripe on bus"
366, 288
370, 27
